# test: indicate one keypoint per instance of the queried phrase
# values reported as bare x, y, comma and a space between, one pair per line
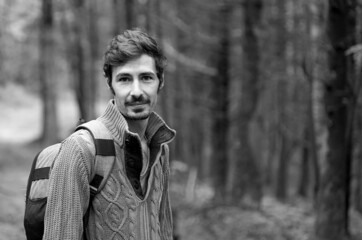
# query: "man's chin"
137, 116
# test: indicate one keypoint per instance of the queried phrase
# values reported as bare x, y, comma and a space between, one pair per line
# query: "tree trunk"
129, 11
315, 66
357, 163
144, 18
283, 141
83, 53
243, 171
304, 179
149, 17
46, 66
309, 176
358, 172
181, 90
3, 10
333, 195
312, 145
220, 122
309, 158
118, 18
158, 21
92, 66
281, 191
168, 94
93, 33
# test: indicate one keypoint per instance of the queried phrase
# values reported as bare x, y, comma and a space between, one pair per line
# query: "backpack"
37, 186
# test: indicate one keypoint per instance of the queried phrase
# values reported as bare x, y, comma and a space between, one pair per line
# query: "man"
134, 203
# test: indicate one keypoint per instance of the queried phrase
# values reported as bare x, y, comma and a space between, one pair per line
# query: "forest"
264, 96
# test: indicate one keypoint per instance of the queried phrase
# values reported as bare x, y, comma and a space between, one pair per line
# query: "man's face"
136, 86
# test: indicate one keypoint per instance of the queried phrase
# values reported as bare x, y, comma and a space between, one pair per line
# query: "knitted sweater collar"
157, 132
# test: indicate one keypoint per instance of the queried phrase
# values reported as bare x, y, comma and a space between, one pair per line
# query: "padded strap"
97, 129
31, 176
105, 153
104, 147
104, 159
41, 173
165, 154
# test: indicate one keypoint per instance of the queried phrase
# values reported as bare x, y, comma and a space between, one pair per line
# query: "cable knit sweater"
122, 210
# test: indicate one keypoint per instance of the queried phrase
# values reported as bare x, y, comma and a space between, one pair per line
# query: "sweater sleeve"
68, 192
166, 222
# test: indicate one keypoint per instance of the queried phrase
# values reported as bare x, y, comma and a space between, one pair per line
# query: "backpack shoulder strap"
165, 155
104, 156
104, 159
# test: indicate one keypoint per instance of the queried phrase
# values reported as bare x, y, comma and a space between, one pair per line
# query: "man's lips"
136, 103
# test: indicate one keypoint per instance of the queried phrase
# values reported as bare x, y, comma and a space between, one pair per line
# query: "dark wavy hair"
129, 45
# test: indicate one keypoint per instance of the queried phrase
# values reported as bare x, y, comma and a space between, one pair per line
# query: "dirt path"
15, 161
12, 192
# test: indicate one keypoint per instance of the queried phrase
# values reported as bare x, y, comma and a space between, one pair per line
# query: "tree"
243, 170
358, 167
92, 66
118, 18
82, 53
356, 53
333, 196
220, 85
315, 69
46, 67
129, 12
309, 157
2, 11
282, 101
145, 17
183, 85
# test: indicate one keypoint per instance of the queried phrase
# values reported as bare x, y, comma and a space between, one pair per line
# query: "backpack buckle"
93, 191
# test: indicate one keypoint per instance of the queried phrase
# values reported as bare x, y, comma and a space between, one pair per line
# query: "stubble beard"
137, 117
137, 114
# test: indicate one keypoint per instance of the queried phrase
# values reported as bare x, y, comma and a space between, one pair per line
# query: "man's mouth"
139, 103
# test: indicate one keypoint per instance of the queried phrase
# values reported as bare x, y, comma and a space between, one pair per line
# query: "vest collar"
157, 131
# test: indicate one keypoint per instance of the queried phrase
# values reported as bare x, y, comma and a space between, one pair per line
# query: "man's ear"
162, 82
109, 85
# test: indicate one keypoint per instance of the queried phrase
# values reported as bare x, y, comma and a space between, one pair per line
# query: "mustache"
137, 101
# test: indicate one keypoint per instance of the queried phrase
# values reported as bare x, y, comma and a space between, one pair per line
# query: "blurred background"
264, 95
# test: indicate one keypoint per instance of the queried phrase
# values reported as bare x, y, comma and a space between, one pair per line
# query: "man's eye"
147, 78
123, 79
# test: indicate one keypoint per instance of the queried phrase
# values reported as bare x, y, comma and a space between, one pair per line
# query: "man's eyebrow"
148, 73
123, 75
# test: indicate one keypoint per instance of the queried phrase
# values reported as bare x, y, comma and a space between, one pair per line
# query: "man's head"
134, 67
130, 45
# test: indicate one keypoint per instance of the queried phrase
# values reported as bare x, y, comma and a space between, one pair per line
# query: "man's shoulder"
80, 143
83, 139
77, 152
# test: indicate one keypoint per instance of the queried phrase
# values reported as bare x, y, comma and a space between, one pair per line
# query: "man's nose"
136, 90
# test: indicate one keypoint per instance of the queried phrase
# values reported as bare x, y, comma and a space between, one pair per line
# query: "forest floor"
272, 220
195, 218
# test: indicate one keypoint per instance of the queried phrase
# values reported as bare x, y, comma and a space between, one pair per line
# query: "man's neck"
138, 126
